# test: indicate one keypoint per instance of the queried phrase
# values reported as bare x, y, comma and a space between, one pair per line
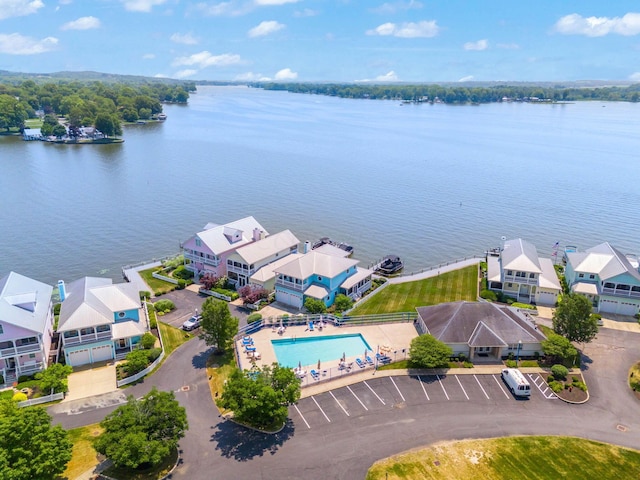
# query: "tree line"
85, 103
462, 94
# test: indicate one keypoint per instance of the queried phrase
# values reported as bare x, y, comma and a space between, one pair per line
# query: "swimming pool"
307, 351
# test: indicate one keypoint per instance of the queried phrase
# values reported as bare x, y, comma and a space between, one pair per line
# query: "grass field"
219, 367
158, 286
405, 297
543, 458
83, 456
172, 337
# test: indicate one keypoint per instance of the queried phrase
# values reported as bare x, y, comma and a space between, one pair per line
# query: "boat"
390, 264
327, 241
161, 117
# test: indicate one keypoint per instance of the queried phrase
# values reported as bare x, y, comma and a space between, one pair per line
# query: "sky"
326, 40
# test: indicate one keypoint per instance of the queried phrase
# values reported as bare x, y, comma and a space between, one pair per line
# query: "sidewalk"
132, 276
434, 272
609, 320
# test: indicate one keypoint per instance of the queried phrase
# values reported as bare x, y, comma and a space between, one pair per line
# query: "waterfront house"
207, 251
518, 272
481, 330
610, 279
100, 320
320, 276
247, 260
32, 134
26, 326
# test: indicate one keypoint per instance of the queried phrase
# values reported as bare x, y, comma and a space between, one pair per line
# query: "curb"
267, 432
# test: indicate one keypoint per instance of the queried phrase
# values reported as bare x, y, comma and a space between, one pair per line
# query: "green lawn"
405, 297
533, 458
158, 286
172, 337
83, 456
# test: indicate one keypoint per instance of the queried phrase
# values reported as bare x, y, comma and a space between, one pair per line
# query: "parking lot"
383, 393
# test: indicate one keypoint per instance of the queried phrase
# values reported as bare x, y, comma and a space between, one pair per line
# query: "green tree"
30, 447
148, 341
104, 123
12, 113
313, 305
428, 352
218, 326
137, 361
143, 432
573, 319
342, 303
558, 347
59, 131
54, 378
284, 381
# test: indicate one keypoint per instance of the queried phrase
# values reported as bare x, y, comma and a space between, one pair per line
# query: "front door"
122, 343
11, 363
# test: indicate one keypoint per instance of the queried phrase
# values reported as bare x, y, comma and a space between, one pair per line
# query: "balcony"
13, 351
620, 293
214, 262
89, 338
520, 280
240, 270
291, 285
33, 368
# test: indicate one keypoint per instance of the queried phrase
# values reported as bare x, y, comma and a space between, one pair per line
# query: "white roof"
329, 249
92, 301
316, 291
585, 288
24, 302
316, 263
267, 272
127, 329
549, 277
603, 260
521, 256
360, 274
220, 238
268, 247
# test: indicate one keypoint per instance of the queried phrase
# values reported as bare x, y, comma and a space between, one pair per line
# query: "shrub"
557, 387
559, 372
19, 397
467, 365
254, 317
153, 354
524, 306
181, 284
253, 293
489, 295
581, 385
462, 357
25, 378
56, 308
536, 355
183, 273
314, 305
164, 306
136, 361
147, 341
144, 294
342, 303
511, 363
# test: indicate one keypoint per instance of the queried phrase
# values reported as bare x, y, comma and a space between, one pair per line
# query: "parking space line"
339, 404
503, 391
440, 381
423, 388
318, 405
394, 384
363, 405
480, 385
463, 390
550, 396
374, 392
301, 416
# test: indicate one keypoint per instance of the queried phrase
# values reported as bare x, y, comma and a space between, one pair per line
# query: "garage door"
626, 308
289, 299
101, 353
608, 306
79, 357
545, 298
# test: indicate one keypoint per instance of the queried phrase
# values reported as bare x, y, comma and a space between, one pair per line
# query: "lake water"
430, 183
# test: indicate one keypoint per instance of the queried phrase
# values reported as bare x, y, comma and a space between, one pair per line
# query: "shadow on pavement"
242, 444
585, 361
199, 361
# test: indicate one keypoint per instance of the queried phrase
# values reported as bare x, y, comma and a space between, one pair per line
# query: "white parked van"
516, 382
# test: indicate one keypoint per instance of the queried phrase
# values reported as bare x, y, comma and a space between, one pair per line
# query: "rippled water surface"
430, 183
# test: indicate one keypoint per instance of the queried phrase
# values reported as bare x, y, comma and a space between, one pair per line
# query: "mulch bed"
571, 394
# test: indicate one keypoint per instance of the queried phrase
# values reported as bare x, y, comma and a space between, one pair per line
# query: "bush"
136, 361
25, 378
467, 365
557, 387
19, 397
144, 294
164, 306
254, 317
147, 341
183, 273
342, 303
511, 363
559, 372
314, 305
181, 284
253, 294
56, 308
462, 357
153, 354
581, 385
489, 295
524, 306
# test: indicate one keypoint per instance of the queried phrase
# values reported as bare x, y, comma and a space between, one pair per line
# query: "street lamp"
518, 354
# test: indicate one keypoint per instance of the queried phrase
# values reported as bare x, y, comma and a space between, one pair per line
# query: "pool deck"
395, 336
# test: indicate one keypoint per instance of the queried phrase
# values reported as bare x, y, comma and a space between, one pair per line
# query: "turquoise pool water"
329, 348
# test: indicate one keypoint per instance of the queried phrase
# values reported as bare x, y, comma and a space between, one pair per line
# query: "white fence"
164, 278
139, 375
211, 293
37, 401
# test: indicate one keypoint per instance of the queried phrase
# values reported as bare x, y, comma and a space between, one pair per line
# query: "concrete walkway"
132, 275
434, 272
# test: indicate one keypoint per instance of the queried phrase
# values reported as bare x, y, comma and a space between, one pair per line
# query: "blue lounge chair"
368, 359
383, 358
315, 374
311, 326
360, 363
248, 341
250, 349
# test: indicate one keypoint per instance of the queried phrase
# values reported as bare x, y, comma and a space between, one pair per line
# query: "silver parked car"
192, 323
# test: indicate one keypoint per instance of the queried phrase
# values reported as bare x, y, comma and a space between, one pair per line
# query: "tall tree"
30, 447
573, 319
558, 347
143, 432
428, 352
218, 326
54, 378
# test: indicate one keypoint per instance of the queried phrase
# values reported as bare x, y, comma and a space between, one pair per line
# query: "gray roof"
478, 324
24, 302
520, 255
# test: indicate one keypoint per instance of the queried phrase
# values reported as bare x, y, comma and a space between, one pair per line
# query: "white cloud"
186, 39
161, 75
148, 56
83, 23
205, 59
307, 12
252, 77
286, 74
468, 78
576, 24
388, 77
395, 7
141, 5
189, 72
16, 44
274, 2
424, 29
635, 77
476, 46
265, 28
18, 8
232, 8
508, 46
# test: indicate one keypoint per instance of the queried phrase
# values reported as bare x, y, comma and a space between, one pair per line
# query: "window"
509, 285
32, 355
1, 330
27, 341
319, 278
609, 285
121, 314
592, 276
102, 328
86, 331
71, 334
532, 275
581, 275
198, 242
509, 272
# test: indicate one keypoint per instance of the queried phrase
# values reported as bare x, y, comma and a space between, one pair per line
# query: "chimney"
262, 235
62, 290
307, 247
256, 234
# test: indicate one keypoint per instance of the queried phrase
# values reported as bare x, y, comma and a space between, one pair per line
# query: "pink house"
26, 326
208, 250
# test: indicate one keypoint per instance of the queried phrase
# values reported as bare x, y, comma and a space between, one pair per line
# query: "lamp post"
518, 354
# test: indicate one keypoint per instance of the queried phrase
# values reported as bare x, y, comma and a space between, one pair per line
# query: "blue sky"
326, 40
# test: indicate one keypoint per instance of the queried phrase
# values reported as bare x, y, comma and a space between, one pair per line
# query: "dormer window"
198, 242
121, 314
